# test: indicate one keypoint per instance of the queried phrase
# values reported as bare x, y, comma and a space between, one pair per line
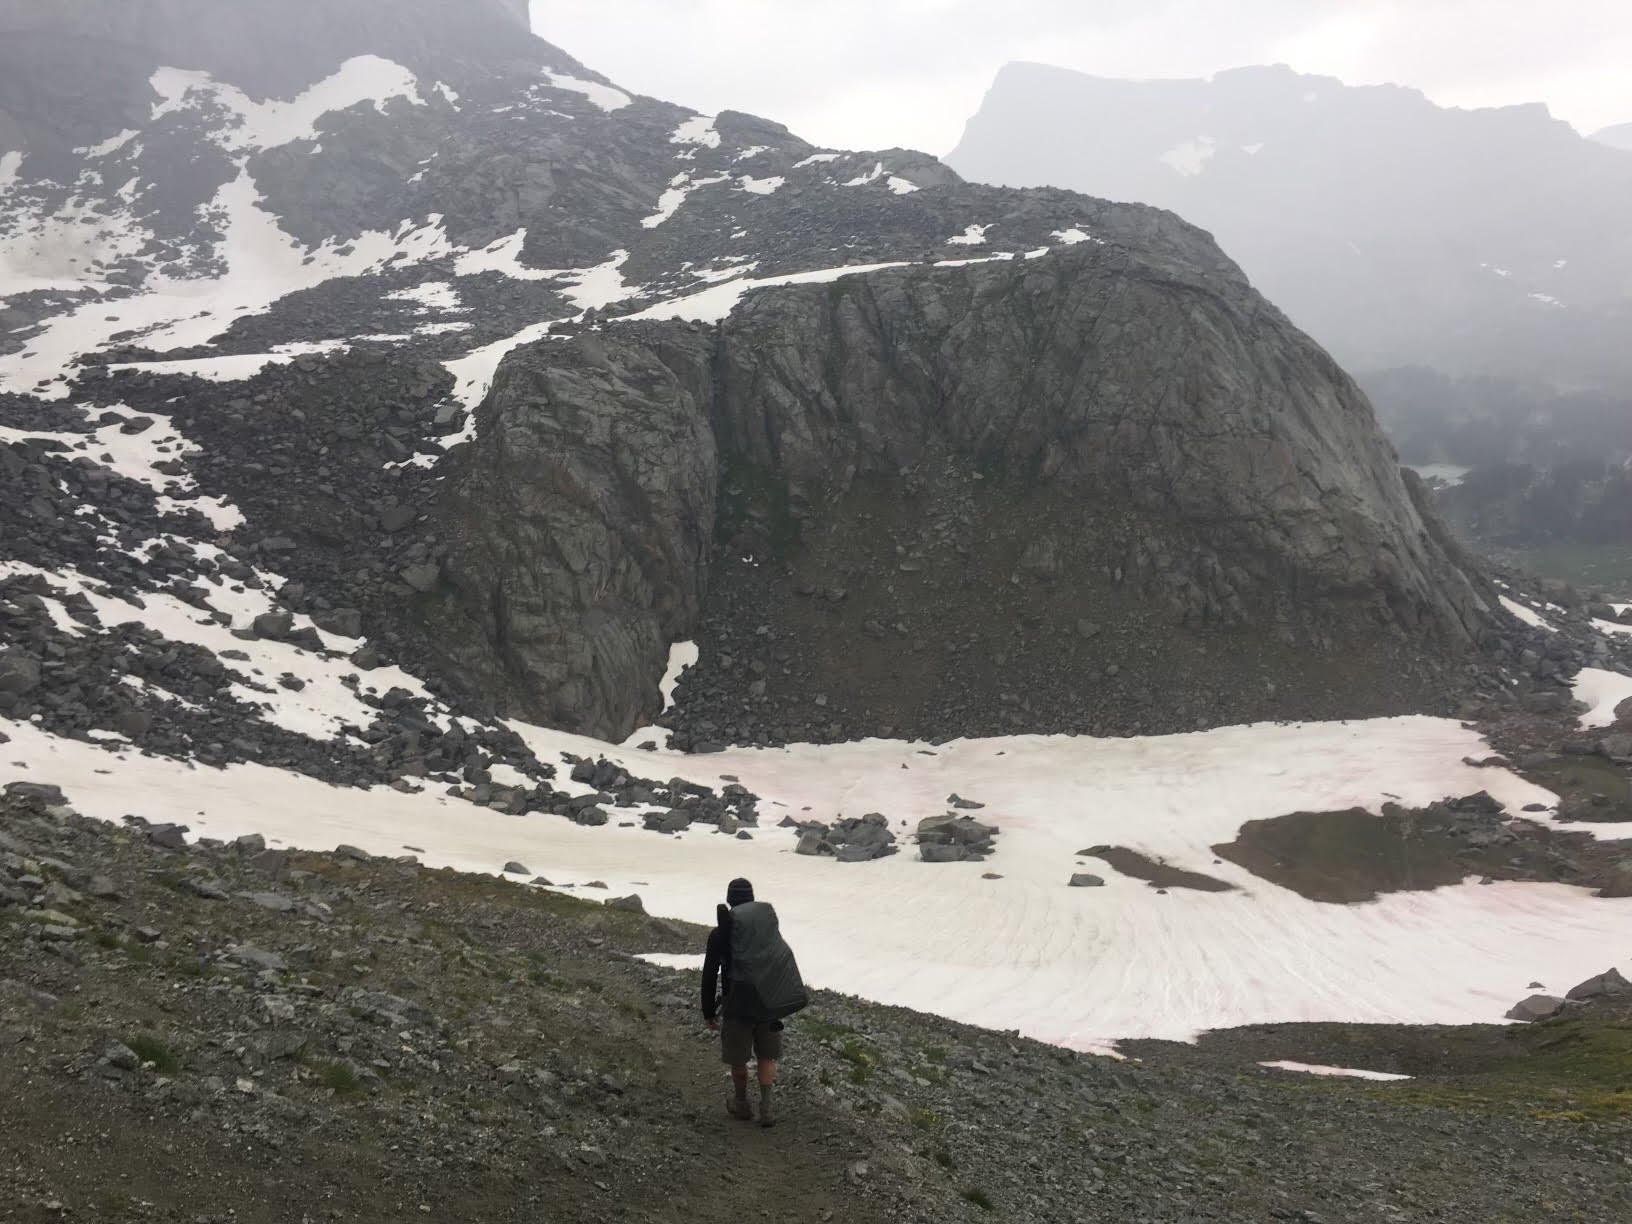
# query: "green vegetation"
925, 1119
1570, 1069
1608, 566
338, 1075
151, 1050
861, 1059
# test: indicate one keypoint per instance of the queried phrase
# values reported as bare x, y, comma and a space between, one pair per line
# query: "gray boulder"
422, 578
1606, 985
19, 673
342, 622
631, 904
274, 625
1082, 879
170, 836
1536, 1007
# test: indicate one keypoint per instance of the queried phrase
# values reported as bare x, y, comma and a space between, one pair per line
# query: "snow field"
1078, 967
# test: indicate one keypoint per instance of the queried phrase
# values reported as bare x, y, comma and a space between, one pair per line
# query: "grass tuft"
150, 1049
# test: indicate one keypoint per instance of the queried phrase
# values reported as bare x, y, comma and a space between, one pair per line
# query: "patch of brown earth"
1352, 856
1157, 873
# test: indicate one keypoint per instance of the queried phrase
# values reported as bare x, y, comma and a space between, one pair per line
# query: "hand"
713, 1025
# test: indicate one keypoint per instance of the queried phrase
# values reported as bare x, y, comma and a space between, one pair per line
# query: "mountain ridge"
1428, 251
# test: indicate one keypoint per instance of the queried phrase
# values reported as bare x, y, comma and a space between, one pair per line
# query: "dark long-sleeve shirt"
716, 971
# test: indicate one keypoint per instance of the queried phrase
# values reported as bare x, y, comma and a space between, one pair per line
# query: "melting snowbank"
1079, 967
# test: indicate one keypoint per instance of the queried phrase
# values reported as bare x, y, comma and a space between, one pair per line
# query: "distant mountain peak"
1397, 231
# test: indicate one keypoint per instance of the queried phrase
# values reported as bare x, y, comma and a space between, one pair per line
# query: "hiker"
759, 985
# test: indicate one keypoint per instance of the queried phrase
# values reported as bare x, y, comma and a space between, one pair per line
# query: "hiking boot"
766, 1117
739, 1108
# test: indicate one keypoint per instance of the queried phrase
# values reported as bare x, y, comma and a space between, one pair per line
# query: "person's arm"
711, 975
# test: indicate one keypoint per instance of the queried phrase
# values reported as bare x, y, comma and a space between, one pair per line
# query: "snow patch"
680, 186
111, 145
1252, 149
764, 186
698, 130
816, 158
503, 256
1345, 1072
432, 295
715, 303
1601, 691
1191, 157
267, 125
1528, 615
587, 289
900, 185
603, 96
232, 367
681, 656
972, 235
11, 166
1074, 235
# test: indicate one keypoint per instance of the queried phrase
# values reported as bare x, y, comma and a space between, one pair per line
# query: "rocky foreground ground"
213, 1033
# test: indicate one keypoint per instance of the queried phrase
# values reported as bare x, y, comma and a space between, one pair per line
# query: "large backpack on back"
765, 981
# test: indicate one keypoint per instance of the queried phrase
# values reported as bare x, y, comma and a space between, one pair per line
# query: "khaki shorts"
740, 1039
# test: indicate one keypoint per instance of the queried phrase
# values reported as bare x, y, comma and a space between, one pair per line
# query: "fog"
860, 74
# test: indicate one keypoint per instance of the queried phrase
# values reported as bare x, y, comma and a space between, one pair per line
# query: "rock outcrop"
1105, 433
580, 521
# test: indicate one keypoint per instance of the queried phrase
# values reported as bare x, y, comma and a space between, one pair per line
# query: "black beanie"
738, 891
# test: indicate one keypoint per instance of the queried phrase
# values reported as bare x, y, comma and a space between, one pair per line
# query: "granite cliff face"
1138, 454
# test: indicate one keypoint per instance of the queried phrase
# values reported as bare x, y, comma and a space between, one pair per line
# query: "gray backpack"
765, 981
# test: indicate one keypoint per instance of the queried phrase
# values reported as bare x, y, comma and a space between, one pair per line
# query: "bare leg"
767, 1082
739, 1081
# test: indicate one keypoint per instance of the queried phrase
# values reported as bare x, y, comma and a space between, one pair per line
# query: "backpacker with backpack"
765, 981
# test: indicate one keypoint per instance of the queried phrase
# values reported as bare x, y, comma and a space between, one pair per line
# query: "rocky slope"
247, 1033
1044, 463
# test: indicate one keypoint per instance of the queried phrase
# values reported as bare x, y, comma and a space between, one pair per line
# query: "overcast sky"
879, 73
